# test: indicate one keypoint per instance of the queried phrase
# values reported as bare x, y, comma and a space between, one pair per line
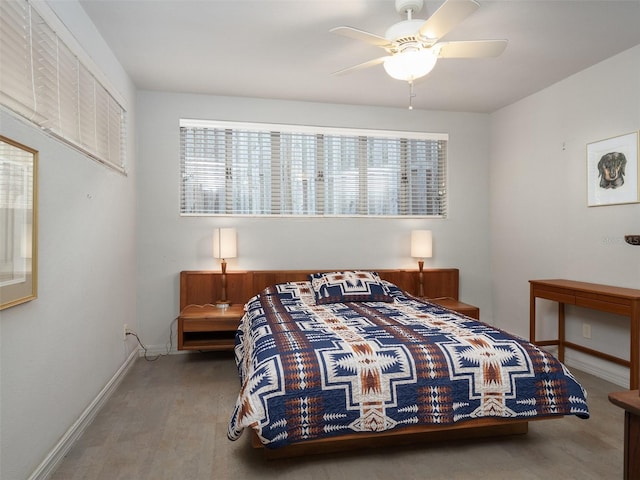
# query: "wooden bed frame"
199, 287
202, 287
415, 435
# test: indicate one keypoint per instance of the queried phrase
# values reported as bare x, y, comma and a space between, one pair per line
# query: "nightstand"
456, 306
208, 327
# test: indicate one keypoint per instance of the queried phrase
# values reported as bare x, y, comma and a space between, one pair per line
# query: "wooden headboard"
199, 287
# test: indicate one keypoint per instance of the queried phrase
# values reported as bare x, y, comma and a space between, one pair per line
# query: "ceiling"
282, 49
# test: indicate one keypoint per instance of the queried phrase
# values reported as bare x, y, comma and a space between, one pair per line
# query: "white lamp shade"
421, 244
410, 65
224, 243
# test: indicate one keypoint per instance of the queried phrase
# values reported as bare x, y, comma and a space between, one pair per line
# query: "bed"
346, 359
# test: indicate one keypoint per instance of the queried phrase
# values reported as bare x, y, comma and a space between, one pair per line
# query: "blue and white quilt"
309, 371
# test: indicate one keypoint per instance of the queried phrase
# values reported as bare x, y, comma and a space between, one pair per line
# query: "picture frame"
612, 171
18, 222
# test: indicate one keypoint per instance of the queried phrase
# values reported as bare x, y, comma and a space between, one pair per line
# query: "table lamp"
421, 248
224, 246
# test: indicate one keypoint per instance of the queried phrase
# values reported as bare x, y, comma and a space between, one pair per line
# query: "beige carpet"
168, 420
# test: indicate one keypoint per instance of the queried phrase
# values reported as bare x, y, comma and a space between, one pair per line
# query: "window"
259, 169
45, 82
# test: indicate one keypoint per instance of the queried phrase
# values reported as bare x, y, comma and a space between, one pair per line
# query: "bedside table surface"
457, 306
211, 311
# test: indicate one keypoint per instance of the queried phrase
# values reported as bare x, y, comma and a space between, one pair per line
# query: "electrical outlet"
586, 330
126, 330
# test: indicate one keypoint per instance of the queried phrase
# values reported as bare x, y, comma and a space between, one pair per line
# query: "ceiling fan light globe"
410, 65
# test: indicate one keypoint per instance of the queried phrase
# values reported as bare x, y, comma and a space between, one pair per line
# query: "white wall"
100, 255
541, 226
58, 351
169, 243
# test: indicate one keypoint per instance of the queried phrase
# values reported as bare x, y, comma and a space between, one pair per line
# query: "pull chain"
411, 94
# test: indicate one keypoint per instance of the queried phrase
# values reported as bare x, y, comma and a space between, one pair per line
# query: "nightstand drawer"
210, 324
207, 327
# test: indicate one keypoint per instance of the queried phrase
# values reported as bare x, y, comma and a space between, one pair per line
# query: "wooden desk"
618, 300
629, 400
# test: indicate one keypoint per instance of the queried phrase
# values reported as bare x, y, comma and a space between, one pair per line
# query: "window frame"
318, 132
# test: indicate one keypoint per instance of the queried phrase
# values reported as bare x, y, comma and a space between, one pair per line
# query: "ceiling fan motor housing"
404, 34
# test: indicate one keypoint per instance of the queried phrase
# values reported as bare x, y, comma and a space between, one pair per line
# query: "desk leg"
634, 350
532, 316
561, 332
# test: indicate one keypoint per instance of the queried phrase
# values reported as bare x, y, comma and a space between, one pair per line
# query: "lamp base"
223, 304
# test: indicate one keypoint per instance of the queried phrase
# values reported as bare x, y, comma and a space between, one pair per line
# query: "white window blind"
42, 80
246, 169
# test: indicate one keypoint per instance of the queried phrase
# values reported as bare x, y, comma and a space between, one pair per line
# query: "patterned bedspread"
310, 371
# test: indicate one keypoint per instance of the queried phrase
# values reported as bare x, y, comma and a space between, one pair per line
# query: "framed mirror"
18, 226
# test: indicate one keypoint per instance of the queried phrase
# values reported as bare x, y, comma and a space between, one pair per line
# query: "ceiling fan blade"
370, 63
371, 38
470, 48
450, 13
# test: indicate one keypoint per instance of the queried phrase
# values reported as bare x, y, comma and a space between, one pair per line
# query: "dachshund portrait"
611, 170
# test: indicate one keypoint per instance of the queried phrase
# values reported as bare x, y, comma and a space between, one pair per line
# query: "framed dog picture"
612, 171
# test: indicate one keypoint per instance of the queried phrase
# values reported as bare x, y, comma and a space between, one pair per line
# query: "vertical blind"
243, 169
42, 80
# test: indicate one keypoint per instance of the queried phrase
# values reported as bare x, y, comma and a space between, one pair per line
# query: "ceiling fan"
413, 45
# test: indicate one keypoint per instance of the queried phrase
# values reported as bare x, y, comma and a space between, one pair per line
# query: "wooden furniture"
629, 400
208, 327
477, 428
457, 306
618, 300
199, 287
203, 326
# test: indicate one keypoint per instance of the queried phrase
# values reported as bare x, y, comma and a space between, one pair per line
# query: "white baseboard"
600, 370
597, 367
154, 350
55, 456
